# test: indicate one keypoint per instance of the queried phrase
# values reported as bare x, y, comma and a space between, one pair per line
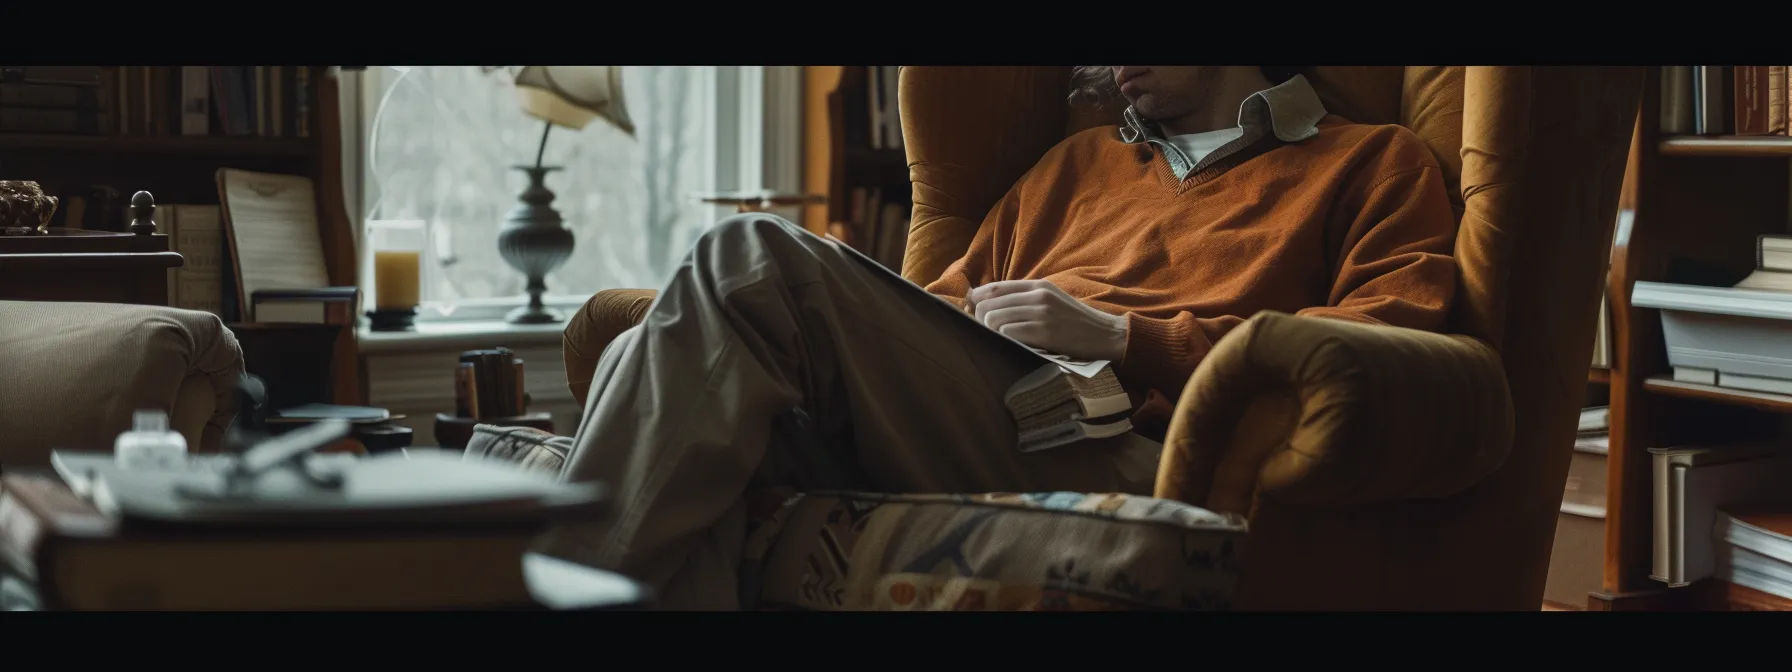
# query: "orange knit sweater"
1353, 223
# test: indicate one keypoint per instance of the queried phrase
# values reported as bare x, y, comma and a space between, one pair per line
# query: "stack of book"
1724, 99
1053, 406
50, 99
1739, 337
1578, 556
271, 101
1594, 435
247, 532
1754, 548
1692, 483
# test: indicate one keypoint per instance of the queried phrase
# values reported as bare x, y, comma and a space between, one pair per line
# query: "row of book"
1724, 99
886, 117
270, 101
876, 226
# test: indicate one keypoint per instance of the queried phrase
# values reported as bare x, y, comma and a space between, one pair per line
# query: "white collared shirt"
1292, 110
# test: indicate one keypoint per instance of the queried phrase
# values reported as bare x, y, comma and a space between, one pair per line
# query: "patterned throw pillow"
526, 447
1008, 552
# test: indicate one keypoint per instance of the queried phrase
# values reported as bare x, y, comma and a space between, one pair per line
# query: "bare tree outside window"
442, 149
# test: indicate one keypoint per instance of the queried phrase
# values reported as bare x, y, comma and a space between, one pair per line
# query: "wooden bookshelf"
1765, 401
1762, 146
854, 162
1699, 203
180, 169
218, 146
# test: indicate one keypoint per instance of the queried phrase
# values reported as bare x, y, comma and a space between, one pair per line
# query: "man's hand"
1039, 314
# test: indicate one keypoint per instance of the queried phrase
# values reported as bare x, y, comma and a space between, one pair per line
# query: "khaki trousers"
692, 408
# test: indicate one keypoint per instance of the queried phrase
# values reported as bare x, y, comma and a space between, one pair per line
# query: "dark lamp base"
533, 315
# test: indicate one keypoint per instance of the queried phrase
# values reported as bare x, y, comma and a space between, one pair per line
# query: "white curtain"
443, 144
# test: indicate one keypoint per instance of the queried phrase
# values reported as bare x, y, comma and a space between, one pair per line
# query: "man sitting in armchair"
772, 357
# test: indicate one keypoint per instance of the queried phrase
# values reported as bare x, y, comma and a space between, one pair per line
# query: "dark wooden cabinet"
92, 266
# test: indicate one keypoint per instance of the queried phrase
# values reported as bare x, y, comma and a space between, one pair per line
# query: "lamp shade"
573, 95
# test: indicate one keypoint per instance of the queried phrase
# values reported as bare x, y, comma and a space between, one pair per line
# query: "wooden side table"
761, 201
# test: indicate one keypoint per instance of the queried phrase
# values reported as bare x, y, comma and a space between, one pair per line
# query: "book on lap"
1052, 407
1064, 401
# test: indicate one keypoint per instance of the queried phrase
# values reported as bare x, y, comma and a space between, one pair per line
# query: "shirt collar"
1292, 110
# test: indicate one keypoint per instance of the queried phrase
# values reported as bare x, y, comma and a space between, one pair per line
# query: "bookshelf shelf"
301, 136
1764, 401
221, 146
1698, 203
1599, 376
1765, 147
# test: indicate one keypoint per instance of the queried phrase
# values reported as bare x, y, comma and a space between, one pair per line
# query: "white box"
1737, 331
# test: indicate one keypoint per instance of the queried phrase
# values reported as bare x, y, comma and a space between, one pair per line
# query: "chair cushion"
1009, 552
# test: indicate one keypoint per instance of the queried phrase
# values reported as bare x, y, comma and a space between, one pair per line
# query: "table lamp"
533, 240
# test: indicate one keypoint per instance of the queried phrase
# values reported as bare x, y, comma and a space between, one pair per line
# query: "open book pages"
1084, 368
270, 224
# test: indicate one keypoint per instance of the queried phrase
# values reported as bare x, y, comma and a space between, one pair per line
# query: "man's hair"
1094, 84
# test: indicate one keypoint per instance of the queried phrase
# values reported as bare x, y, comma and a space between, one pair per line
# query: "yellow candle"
396, 278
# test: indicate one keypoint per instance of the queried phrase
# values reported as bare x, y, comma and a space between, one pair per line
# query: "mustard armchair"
1379, 468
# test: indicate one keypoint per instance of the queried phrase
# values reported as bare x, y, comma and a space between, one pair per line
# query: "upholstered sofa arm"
603, 317
1305, 410
72, 374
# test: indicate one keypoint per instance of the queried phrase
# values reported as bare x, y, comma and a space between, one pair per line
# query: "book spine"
196, 102
303, 104
1750, 100
108, 100
259, 88
146, 92
1710, 99
1677, 100
1776, 100
466, 391
277, 101
875, 104
168, 224
1761, 252
199, 238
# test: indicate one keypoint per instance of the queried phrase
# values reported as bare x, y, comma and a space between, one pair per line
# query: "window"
441, 142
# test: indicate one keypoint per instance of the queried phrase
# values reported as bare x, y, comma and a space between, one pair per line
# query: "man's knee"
751, 228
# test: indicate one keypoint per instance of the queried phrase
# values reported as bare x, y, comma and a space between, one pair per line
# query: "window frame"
745, 97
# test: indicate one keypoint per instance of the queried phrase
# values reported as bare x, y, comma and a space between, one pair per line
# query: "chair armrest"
1305, 410
603, 317
74, 373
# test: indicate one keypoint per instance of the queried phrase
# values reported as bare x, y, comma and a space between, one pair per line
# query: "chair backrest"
1534, 158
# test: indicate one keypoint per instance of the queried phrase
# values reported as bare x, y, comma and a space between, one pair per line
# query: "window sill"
460, 335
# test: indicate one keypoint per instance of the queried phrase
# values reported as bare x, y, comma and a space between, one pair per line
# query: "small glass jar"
398, 247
